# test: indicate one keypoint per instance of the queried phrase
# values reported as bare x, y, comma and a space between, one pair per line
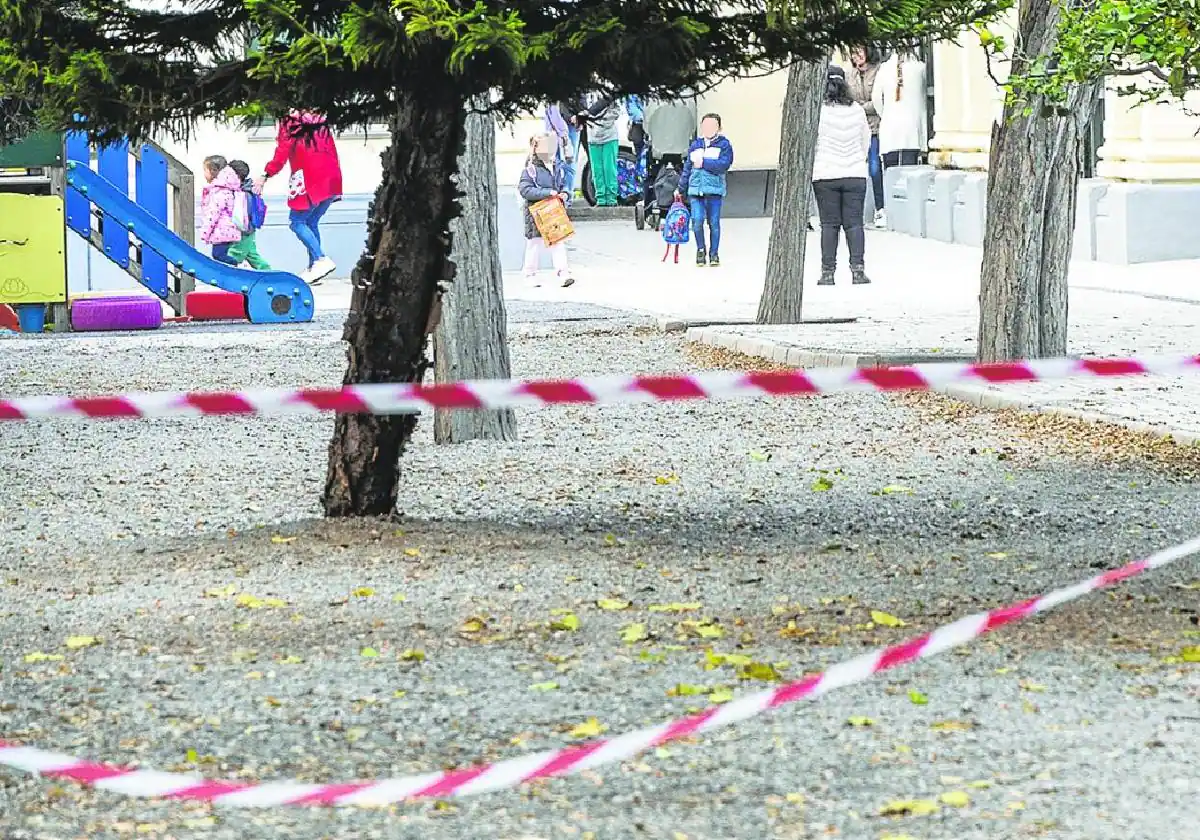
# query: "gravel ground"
772, 518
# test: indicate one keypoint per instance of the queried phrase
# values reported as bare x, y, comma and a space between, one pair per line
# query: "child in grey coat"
543, 178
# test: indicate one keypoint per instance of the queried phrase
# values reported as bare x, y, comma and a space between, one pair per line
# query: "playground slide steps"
271, 296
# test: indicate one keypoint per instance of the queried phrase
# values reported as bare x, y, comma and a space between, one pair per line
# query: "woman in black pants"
840, 177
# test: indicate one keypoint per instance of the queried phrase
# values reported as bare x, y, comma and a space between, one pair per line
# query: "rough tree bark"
1033, 179
471, 340
783, 287
397, 282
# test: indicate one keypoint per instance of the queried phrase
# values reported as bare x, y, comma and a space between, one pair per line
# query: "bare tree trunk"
471, 340
397, 284
1033, 180
783, 287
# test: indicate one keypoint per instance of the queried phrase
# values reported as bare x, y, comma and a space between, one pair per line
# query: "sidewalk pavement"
921, 306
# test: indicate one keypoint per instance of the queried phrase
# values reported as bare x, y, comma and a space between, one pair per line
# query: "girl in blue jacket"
703, 182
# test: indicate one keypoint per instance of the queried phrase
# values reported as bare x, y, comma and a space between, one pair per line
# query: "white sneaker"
880, 218
321, 269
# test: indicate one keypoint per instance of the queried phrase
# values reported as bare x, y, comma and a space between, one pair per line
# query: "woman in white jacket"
899, 99
840, 176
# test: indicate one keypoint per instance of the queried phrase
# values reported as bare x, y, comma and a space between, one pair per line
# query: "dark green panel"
42, 148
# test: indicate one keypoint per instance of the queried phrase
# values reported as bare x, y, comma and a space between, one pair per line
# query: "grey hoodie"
602, 119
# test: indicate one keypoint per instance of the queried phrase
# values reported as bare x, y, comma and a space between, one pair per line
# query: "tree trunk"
397, 282
471, 340
1033, 180
783, 287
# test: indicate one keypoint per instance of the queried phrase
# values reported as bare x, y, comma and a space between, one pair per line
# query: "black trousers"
840, 206
902, 157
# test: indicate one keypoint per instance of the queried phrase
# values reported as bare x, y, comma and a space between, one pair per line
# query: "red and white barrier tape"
574, 759
600, 390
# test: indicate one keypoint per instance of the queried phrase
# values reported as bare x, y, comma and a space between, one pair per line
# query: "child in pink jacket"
217, 227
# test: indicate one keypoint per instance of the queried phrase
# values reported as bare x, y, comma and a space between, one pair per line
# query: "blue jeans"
305, 224
220, 253
568, 166
707, 208
875, 167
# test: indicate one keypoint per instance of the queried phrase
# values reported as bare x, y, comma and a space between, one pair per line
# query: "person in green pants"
246, 250
602, 115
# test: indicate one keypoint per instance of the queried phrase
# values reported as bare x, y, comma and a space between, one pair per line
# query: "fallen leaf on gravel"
952, 725
472, 625
997, 555
980, 784
792, 631
885, 620
77, 642
254, 675
412, 552
759, 456
290, 660
759, 671
220, 592
412, 655
38, 656
634, 633
720, 694
278, 540
704, 628
907, 807
1015, 806
859, 721
1031, 686
676, 607
368, 653
590, 728
686, 690
612, 604
398, 693
399, 598
248, 601
795, 798
568, 622
669, 478
544, 686
715, 660
822, 484
917, 698
1191, 653
1193, 585
355, 733
896, 837
364, 592
896, 489
955, 799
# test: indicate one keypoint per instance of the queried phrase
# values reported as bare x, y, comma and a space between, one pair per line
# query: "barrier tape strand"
574, 759
378, 398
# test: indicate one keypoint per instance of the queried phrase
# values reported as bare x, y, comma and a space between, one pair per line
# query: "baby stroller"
670, 128
663, 192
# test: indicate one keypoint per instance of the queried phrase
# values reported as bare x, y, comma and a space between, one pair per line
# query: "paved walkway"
922, 304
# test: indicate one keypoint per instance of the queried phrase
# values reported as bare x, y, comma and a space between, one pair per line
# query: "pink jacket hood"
216, 204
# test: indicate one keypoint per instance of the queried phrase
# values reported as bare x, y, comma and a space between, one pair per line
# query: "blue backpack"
256, 209
676, 227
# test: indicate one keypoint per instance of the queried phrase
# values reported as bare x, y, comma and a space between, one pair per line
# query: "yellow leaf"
568, 622
275, 603
254, 675
399, 598
273, 702
413, 655
290, 660
997, 555
1015, 806
222, 592
1191, 653
472, 625
909, 807
38, 656
885, 620
720, 694
686, 690
248, 601
364, 592
77, 642
192, 756
1032, 686
822, 484
981, 784
897, 489
590, 728
952, 725
612, 604
859, 721
955, 799
412, 552
759, 671
634, 633
669, 478
759, 456
278, 540
675, 607
399, 693
368, 653
795, 798
890, 836
917, 698
355, 733
544, 686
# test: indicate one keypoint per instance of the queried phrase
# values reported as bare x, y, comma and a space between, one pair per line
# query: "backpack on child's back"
676, 228
249, 211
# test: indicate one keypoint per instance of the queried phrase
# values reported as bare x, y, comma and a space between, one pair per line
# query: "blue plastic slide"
272, 297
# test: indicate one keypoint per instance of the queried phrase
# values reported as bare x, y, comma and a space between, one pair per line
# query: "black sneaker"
701, 258
715, 262
826, 278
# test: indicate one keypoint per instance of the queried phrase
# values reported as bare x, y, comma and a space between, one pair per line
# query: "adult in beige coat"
864, 66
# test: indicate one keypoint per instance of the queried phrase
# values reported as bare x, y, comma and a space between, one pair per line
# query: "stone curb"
980, 396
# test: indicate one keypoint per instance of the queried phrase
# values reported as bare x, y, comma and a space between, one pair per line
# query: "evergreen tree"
413, 64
